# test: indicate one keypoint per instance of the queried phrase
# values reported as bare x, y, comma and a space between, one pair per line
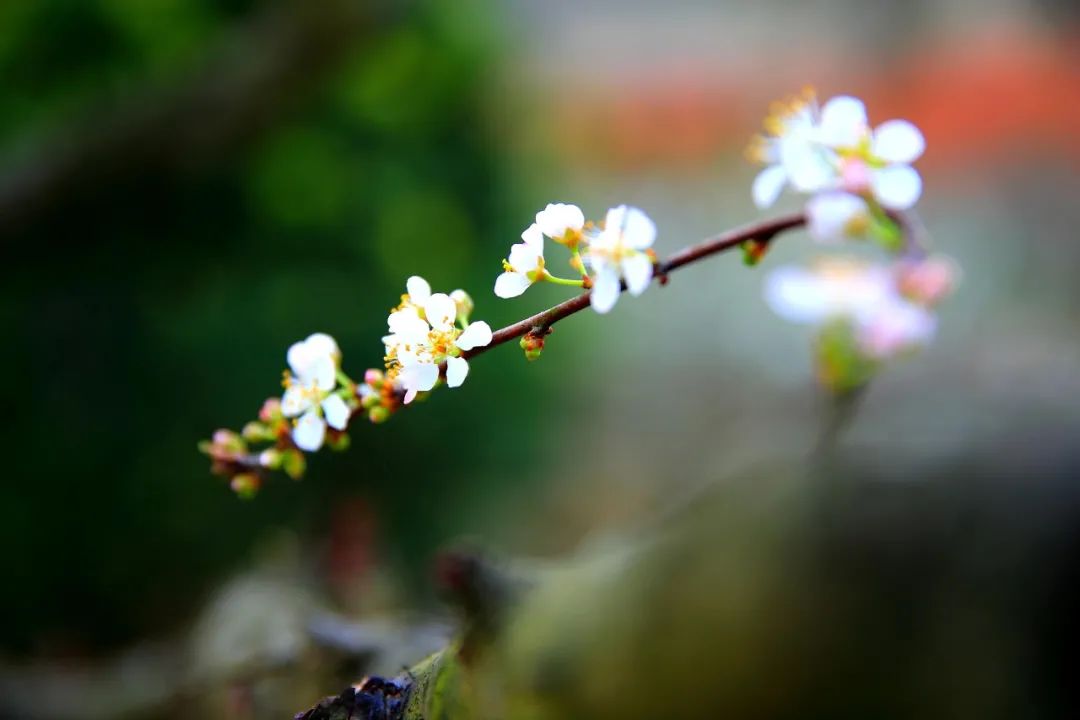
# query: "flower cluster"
608, 255
856, 176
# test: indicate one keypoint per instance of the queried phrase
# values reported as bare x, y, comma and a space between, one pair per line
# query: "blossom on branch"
309, 395
525, 265
423, 336
561, 222
618, 253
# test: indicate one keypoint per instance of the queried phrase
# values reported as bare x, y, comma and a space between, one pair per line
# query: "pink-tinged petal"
637, 270
418, 288
336, 412
511, 284
294, 401
829, 215
639, 231
768, 185
533, 236
410, 395
894, 328
440, 311
898, 141
478, 334
457, 369
605, 291
310, 431
843, 122
897, 187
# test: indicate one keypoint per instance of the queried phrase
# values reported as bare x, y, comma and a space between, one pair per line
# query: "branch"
763, 232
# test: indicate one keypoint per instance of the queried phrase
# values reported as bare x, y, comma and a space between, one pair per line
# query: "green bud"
378, 414
245, 485
753, 251
533, 345
294, 464
256, 432
338, 441
271, 459
465, 305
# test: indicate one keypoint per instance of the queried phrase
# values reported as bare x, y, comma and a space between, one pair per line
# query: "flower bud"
270, 459
465, 305
271, 410
373, 377
378, 414
293, 463
533, 345
753, 251
928, 281
256, 432
245, 485
338, 441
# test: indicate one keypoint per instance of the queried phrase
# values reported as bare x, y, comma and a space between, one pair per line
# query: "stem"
562, 281
761, 231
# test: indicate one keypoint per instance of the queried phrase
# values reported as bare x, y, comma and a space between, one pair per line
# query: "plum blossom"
561, 222
425, 334
788, 150
525, 265
309, 385
835, 216
884, 322
618, 253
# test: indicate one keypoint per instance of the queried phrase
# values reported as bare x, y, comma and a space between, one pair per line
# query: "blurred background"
189, 186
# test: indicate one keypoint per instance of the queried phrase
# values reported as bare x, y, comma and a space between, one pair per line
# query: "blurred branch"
256, 74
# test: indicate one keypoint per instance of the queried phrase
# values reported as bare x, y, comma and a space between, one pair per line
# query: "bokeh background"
189, 186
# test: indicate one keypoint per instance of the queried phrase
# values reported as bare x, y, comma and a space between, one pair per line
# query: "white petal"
410, 395
322, 344
895, 327
511, 284
418, 288
897, 187
768, 185
797, 295
809, 168
294, 401
843, 122
613, 221
555, 219
898, 141
309, 432
323, 373
457, 369
532, 236
605, 291
639, 231
828, 215
478, 334
336, 412
408, 325
419, 376
525, 258
300, 356
440, 311
637, 269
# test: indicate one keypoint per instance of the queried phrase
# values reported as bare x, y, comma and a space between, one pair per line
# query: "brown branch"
763, 232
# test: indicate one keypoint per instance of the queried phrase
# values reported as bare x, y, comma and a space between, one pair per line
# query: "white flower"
424, 335
560, 221
525, 264
834, 216
873, 162
617, 254
789, 151
313, 363
866, 295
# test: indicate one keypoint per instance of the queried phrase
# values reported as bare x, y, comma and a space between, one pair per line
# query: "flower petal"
441, 311
294, 401
768, 185
309, 432
557, 218
418, 288
898, 141
525, 258
323, 373
322, 344
605, 291
895, 327
457, 369
478, 334
797, 295
807, 166
532, 236
637, 270
410, 395
897, 187
419, 376
639, 231
829, 215
843, 122
511, 284
336, 412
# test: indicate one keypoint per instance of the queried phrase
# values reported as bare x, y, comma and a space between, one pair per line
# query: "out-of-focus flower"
617, 253
308, 391
525, 265
884, 323
561, 222
788, 150
835, 216
465, 305
874, 163
424, 335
